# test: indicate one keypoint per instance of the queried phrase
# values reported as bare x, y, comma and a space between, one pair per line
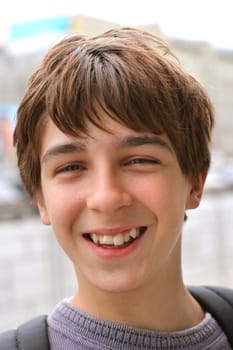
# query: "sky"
205, 20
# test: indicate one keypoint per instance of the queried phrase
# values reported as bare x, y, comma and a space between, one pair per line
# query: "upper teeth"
116, 240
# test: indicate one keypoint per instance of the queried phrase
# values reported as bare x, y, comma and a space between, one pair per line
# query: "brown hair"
129, 74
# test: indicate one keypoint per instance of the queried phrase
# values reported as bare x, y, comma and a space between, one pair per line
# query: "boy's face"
116, 202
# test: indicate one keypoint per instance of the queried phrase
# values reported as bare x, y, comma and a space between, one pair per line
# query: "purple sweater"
72, 329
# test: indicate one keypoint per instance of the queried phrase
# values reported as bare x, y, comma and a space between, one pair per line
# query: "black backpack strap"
8, 340
218, 301
30, 335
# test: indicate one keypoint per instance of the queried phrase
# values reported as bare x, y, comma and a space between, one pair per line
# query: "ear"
42, 209
196, 191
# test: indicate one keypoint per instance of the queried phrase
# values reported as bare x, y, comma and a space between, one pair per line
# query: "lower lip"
111, 253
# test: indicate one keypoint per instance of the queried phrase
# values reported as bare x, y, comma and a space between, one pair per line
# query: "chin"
118, 282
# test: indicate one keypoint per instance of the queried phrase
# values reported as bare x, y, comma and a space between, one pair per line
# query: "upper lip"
112, 231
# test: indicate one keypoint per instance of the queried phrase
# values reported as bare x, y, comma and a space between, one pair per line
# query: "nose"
108, 194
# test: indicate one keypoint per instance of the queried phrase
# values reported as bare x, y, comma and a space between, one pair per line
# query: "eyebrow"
132, 141
66, 148
129, 141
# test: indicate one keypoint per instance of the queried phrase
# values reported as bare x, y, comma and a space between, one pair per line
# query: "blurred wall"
34, 273
215, 70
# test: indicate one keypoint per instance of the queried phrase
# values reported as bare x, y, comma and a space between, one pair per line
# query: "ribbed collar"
76, 324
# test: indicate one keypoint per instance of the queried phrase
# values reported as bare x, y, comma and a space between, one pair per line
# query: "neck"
160, 311
162, 304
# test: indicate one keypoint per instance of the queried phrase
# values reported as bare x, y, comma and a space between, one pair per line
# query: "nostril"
108, 200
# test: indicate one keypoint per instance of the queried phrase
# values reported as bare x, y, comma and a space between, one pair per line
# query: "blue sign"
29, 29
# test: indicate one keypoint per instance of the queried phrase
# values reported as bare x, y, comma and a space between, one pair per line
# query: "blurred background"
34, 273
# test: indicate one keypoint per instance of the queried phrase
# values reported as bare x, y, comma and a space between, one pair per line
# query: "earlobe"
196, 191
44, 215
42, 210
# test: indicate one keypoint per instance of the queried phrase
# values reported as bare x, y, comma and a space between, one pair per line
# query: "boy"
113, 142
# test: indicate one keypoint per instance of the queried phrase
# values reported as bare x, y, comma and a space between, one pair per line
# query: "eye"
70, 168
143, 161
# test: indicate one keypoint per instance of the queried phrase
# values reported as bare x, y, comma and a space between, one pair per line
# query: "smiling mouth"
120, 240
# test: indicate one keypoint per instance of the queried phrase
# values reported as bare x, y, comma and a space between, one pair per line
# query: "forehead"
54, 141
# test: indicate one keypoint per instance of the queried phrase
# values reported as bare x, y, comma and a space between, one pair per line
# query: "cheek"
163, 196
154, 191
62, 205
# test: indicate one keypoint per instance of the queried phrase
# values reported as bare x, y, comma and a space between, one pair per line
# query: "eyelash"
70, 168
135, 161
143, 161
